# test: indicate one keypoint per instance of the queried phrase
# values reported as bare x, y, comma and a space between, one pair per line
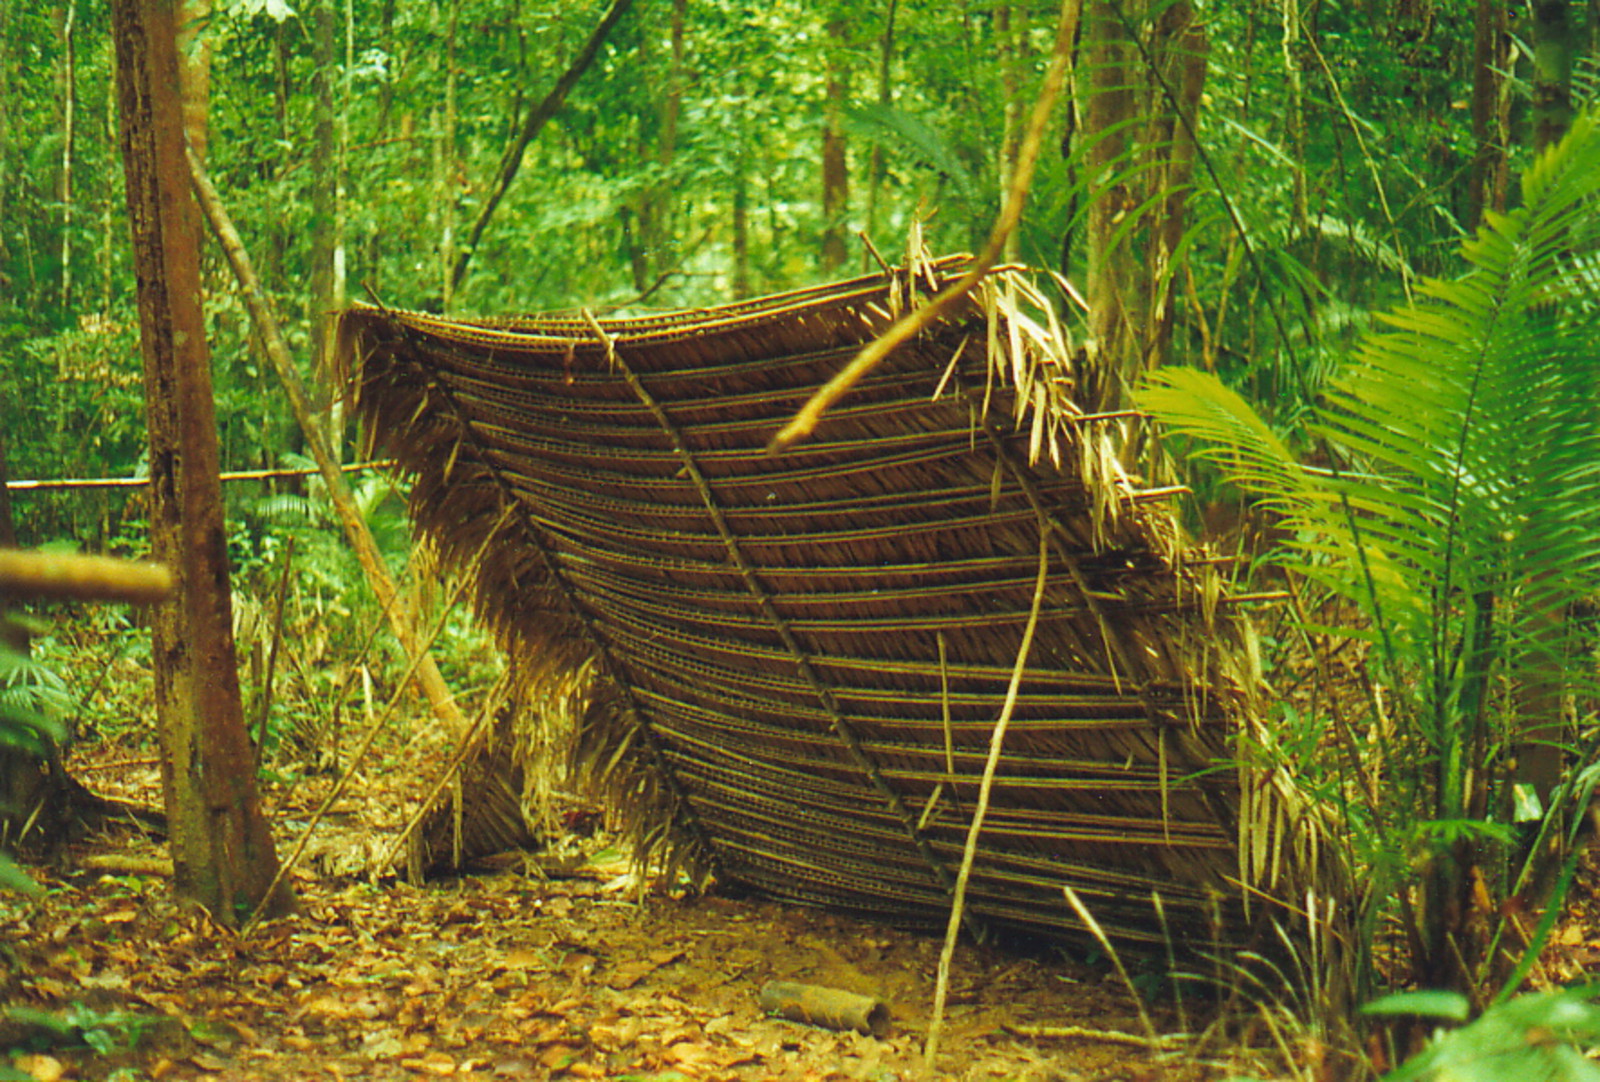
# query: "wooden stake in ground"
222, 853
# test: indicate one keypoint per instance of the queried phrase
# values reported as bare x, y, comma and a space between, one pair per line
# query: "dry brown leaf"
433, 1063
41, 1068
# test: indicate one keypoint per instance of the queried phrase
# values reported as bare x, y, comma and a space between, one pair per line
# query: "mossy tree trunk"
222, 852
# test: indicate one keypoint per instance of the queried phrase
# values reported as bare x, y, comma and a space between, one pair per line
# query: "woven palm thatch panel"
788, 666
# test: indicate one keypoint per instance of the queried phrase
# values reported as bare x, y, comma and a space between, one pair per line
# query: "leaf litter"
558, 965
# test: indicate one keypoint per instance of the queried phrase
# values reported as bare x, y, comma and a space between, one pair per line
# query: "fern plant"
1456, 520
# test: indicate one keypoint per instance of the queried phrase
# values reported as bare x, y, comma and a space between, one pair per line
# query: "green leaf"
1532, 1038
1451, 1005
14, 878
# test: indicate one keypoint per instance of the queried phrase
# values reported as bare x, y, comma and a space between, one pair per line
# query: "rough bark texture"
222, 852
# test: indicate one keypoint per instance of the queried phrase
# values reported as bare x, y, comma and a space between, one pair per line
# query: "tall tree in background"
67, 18
1553, 46
1491, 59
835, 165
1539, 749
222, 852
1105, 67
1137, 152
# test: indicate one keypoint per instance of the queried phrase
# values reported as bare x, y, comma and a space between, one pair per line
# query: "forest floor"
508, 974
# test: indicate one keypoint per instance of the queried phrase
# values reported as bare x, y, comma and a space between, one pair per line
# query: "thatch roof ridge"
764, 642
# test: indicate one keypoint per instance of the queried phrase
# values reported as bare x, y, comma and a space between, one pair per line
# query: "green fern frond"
1466, 433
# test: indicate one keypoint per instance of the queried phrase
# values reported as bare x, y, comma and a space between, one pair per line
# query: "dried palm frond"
783, 668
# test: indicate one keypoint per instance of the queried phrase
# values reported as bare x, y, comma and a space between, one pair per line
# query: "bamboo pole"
428, 676
59, 484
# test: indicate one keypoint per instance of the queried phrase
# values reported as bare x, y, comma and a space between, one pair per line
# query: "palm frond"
1467, 430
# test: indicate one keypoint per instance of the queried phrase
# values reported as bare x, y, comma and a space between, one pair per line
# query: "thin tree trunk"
1295, 116
69, 112
538, 117
1009, 35
1181, 47
195, 47
1552, 71
1538, 749
877, 168
1486, 183
341, 208
659, 225
835, 163
1112, 280
24, 781
344, 505
222, 852
8, 82
741, 232
445, 165
108, 209
324, 197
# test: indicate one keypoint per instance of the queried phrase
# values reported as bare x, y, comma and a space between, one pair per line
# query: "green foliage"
28, 694
1463, 516
1533, 1038
105, 1032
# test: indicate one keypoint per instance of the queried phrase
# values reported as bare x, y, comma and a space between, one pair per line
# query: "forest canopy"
1279, 171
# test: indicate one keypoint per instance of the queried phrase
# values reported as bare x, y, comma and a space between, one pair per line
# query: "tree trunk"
538, 117
23, 778
877, 169
1295, 115
1538, 749
1181, 47
428, 676
741, 232
324, 181
1552, 71
835, 165
195, 47
1486, 183
8, 82
652, 248
1112, 277
69, 112
1010, 34
222, 852
445, 165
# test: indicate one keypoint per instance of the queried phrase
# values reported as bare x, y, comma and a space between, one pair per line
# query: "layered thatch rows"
784, 668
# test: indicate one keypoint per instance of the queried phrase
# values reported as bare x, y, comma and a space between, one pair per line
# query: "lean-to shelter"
784, 668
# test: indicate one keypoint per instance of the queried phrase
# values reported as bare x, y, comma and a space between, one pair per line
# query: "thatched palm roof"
785, 667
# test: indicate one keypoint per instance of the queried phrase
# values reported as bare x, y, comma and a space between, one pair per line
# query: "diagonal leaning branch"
428, 675
537, 117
